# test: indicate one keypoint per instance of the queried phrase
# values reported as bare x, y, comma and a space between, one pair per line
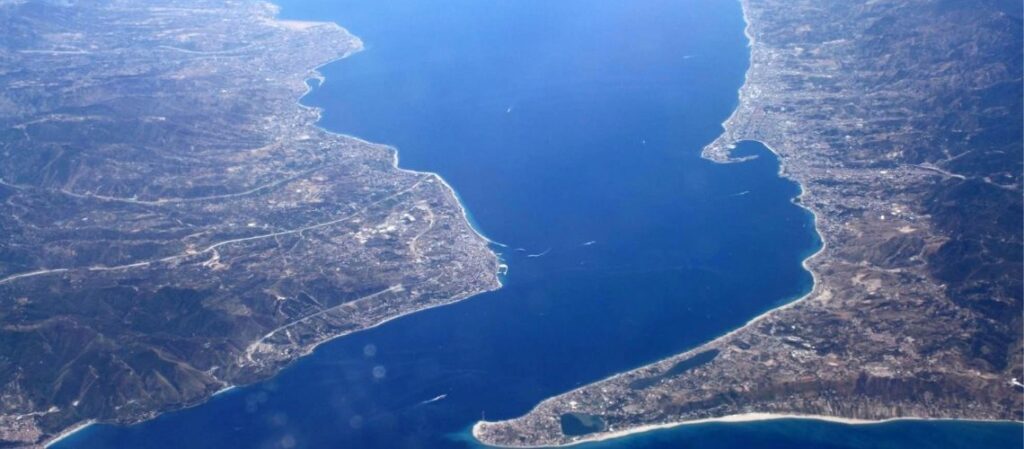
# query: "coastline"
229, 388
315, 74
319, 77
739, 418
69, 432
815, 281
226, 389
798, 199
805, 263
738, 127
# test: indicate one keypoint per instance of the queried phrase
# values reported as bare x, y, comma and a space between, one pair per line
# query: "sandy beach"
68, 433
743, 417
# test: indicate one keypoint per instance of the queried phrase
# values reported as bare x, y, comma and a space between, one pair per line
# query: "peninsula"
901, 120
175, 223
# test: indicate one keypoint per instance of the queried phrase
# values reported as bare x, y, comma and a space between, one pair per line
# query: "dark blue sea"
571, 129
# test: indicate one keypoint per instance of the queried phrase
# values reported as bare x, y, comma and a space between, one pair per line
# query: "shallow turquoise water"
572, 132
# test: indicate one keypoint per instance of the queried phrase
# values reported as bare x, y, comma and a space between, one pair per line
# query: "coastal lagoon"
572, 132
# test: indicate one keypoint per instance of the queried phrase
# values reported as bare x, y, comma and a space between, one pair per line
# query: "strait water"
572, 131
